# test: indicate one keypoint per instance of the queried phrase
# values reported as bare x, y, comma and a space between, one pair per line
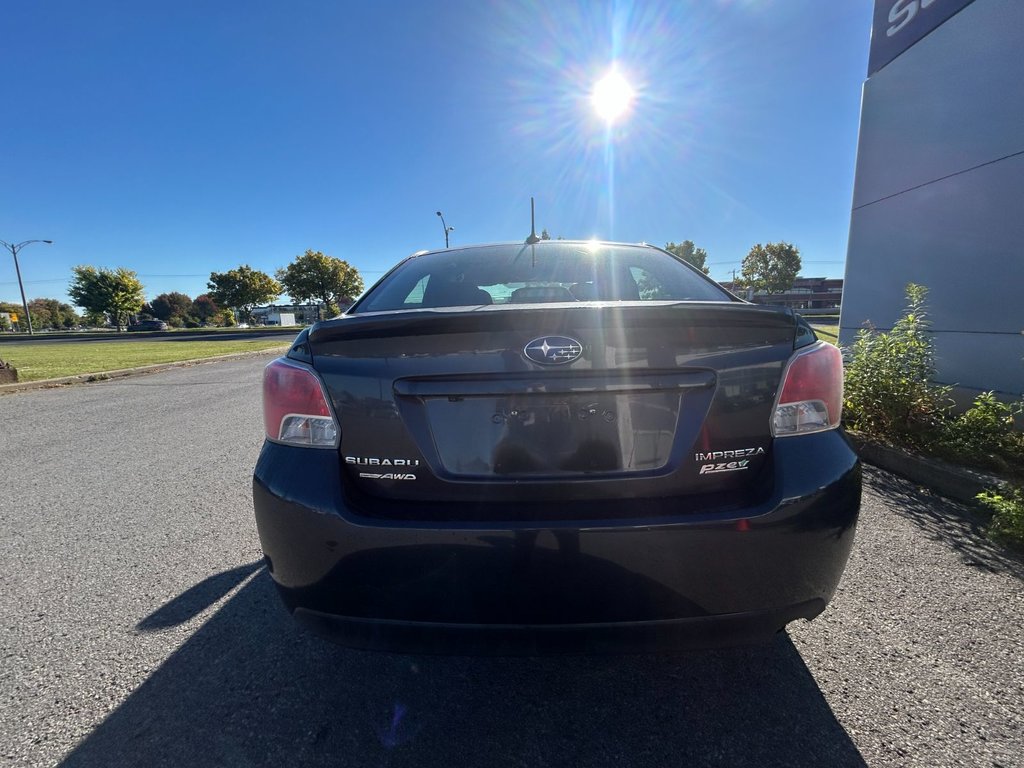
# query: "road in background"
140, 628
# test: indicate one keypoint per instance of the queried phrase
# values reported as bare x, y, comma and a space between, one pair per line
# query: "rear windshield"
542, 273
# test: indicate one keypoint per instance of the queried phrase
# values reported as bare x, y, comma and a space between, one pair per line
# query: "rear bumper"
510, 639
599, 585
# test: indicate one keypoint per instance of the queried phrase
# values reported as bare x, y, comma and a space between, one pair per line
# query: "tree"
115, 293
544, 235
46, 313
41, 317
94, 319
325, 279
771, 268
204, 309
64, 313
243, 289
50, 313
17, 315
690, 253
170, 305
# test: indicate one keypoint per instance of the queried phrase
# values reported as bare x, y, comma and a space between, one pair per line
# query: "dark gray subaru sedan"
559, 446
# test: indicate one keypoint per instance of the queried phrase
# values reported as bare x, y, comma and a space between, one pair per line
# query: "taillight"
811, 396
295, 409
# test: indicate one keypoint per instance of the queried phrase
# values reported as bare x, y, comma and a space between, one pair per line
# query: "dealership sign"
898, 24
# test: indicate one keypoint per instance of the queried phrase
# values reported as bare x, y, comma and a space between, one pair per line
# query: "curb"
947, 479
122, 373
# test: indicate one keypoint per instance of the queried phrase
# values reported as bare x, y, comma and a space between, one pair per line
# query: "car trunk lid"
659, 399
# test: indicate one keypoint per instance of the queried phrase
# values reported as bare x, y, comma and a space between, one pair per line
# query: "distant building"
806, 293
305, 314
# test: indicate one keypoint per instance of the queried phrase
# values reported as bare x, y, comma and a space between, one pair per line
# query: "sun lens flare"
612, 96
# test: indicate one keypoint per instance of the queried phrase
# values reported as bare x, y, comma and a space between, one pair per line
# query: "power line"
738, 261
28, 282
204, 274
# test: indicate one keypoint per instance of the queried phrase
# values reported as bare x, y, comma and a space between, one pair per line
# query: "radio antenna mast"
532, 239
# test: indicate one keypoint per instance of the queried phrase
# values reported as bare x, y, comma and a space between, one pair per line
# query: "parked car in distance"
560, 446
148, 325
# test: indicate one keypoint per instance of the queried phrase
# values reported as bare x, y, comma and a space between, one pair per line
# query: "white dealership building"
939, 191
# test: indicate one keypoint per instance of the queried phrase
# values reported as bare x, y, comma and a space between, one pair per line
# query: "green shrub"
1007, 508
985, 434
889, 395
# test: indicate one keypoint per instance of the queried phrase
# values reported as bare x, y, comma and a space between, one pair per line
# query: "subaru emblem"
553, 350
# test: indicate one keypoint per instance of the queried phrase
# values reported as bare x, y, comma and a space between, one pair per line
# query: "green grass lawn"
827, 332
51, 361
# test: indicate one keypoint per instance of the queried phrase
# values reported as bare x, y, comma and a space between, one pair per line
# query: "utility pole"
14, 248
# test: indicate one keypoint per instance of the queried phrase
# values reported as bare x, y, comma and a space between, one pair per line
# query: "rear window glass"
535, 274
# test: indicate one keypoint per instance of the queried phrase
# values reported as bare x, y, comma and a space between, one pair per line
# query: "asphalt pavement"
139, 628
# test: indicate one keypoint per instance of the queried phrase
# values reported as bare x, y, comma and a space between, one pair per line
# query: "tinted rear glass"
543, 273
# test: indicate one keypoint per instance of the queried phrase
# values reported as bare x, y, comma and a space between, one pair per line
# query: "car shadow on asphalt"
197, 598
944, 520
250, 688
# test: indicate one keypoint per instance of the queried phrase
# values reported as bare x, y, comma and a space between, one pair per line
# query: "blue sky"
179, 138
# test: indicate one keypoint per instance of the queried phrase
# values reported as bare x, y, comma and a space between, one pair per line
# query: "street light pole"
447, 229
14, 248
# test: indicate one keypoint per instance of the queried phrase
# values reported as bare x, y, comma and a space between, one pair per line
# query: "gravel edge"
949, 480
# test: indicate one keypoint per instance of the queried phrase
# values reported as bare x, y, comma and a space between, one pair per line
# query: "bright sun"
612, 96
